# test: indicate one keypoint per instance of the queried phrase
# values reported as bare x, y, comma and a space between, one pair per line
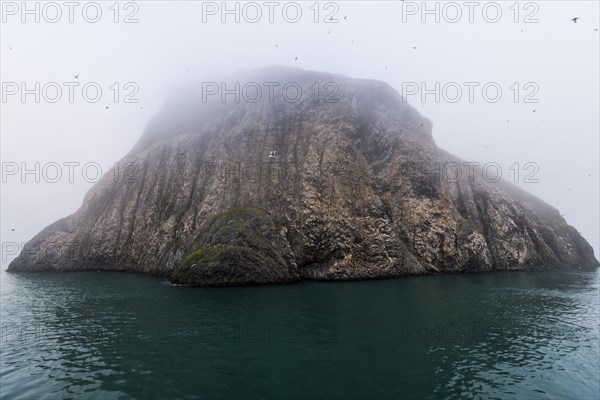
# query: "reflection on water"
120, 335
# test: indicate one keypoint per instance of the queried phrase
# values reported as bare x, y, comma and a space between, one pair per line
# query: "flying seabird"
76, 76
273, 154
574, 20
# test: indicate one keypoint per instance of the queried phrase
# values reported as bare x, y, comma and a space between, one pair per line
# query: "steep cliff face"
344, 183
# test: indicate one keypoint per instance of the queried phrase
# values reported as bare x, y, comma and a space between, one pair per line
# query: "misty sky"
549, 58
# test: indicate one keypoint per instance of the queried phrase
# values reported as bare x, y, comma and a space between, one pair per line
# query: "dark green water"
100, 335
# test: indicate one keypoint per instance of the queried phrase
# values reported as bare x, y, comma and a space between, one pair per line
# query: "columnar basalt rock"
341, 183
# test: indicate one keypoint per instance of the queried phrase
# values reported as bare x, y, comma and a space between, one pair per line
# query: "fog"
544, 123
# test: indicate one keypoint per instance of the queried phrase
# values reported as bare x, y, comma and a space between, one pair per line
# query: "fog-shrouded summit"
282, 174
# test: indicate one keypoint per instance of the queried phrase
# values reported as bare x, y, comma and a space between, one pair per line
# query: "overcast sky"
545, 65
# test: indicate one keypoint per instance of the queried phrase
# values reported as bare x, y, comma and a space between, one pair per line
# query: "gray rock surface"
358, 189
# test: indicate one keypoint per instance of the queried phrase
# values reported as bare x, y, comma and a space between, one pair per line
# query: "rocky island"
300, 175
